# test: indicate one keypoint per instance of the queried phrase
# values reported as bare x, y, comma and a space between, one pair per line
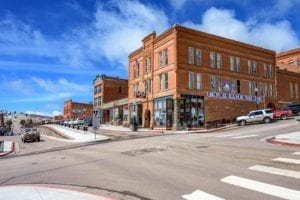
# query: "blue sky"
51, 50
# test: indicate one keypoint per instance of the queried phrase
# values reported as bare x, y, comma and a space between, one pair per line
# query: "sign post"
96, 120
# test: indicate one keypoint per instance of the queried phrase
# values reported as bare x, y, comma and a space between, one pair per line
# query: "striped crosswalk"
256, 185
235, 136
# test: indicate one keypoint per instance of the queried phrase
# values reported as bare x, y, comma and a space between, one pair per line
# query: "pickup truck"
282, 113
265, 115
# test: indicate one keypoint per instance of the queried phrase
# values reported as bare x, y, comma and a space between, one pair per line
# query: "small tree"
22, 122
9, 123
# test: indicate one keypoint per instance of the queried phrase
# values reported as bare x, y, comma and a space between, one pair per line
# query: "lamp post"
256, 91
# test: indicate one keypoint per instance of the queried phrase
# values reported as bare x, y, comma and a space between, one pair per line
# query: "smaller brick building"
288, 77
73, 110
107, 90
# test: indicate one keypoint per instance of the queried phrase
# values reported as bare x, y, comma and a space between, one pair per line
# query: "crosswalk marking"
197, 195
287, 160
228, 135
265, 188
277, 171
245, 136
296, 153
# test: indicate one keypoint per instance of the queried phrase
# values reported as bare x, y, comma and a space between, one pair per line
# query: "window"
191, 80
163, 58
249, 67
238, 64
191, 56
250, 88
163, 82
265, 71
238, 86
136, 69
212, 59
147, 65
298, 62
198, 57
148, 85
120, 89
219, 61
166, 81
291, 62
135, 88
272, 90
198, 81
255, 72
270, 71
232, 85
212, 83
232, 68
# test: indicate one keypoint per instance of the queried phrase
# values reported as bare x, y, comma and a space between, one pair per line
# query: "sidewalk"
36, 192
75, 135
7, 147
291, 139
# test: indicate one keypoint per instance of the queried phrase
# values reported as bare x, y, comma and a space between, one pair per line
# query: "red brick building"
73, 110
185, 78
106, 91
288, 77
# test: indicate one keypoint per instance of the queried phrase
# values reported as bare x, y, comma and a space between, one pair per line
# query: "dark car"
295, 107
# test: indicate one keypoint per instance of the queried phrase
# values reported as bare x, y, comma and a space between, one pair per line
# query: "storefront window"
163, 112
191, 112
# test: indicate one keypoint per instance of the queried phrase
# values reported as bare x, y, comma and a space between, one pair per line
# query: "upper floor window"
148, 86
265, 71
198, 57
194, 56
291, 62
163, 57
191, 56
235, 64
219, 61
198, 81
249, 67
191, 80
212, 60
97, 89
135, 88
298, 62
120, 89
291, 90
270, 71
212, 83
136, 69
163, 82
255, 72
297, 91
147, 65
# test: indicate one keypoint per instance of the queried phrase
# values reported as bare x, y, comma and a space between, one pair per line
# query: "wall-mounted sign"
234, 96
140, 94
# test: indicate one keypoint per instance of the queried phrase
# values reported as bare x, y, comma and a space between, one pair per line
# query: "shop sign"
140, 94
234, 96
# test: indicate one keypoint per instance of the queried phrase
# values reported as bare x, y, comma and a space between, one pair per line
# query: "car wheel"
283, 117
267, 120
243, 123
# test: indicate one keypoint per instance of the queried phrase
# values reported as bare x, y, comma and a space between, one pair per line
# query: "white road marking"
245, 136
277, 171
228, 135
296, 153
287, 160
265, 188
199, 195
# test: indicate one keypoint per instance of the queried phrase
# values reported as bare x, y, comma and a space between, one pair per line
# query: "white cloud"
56, 113
277, 36
177, 4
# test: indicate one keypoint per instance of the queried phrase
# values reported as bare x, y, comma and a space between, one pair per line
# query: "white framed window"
297, 91
163, 58
255, 72
238, 64
191, 56
250, 87
270, 71
166, 79
198, 57
219, 61
231, 63
249, 67
265, 71
191, 80
298, 62
212, 83
212, 59
198, 81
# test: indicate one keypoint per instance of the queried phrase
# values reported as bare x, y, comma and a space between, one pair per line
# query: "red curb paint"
274, 141
12, 148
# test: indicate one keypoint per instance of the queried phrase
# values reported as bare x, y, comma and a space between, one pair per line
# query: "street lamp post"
256, 91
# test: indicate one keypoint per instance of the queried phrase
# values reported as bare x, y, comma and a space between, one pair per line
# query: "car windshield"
27, 130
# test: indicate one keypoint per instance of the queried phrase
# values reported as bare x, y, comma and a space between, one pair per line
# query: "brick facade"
73, 110
192, 79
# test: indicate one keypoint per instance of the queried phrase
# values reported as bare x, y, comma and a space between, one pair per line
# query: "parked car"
282, 113
78, 121
265, 115
295, 107
30, 134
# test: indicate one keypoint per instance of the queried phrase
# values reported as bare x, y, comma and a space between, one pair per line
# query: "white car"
265, 115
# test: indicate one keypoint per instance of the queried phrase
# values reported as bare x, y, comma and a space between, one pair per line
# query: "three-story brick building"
186, 78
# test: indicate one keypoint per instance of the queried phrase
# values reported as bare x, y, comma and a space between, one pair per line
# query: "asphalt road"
224, 164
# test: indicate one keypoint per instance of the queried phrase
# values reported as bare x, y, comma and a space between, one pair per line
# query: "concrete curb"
11, 149
281, 142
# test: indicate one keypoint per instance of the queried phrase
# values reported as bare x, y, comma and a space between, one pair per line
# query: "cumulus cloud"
177, 4
277, 36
